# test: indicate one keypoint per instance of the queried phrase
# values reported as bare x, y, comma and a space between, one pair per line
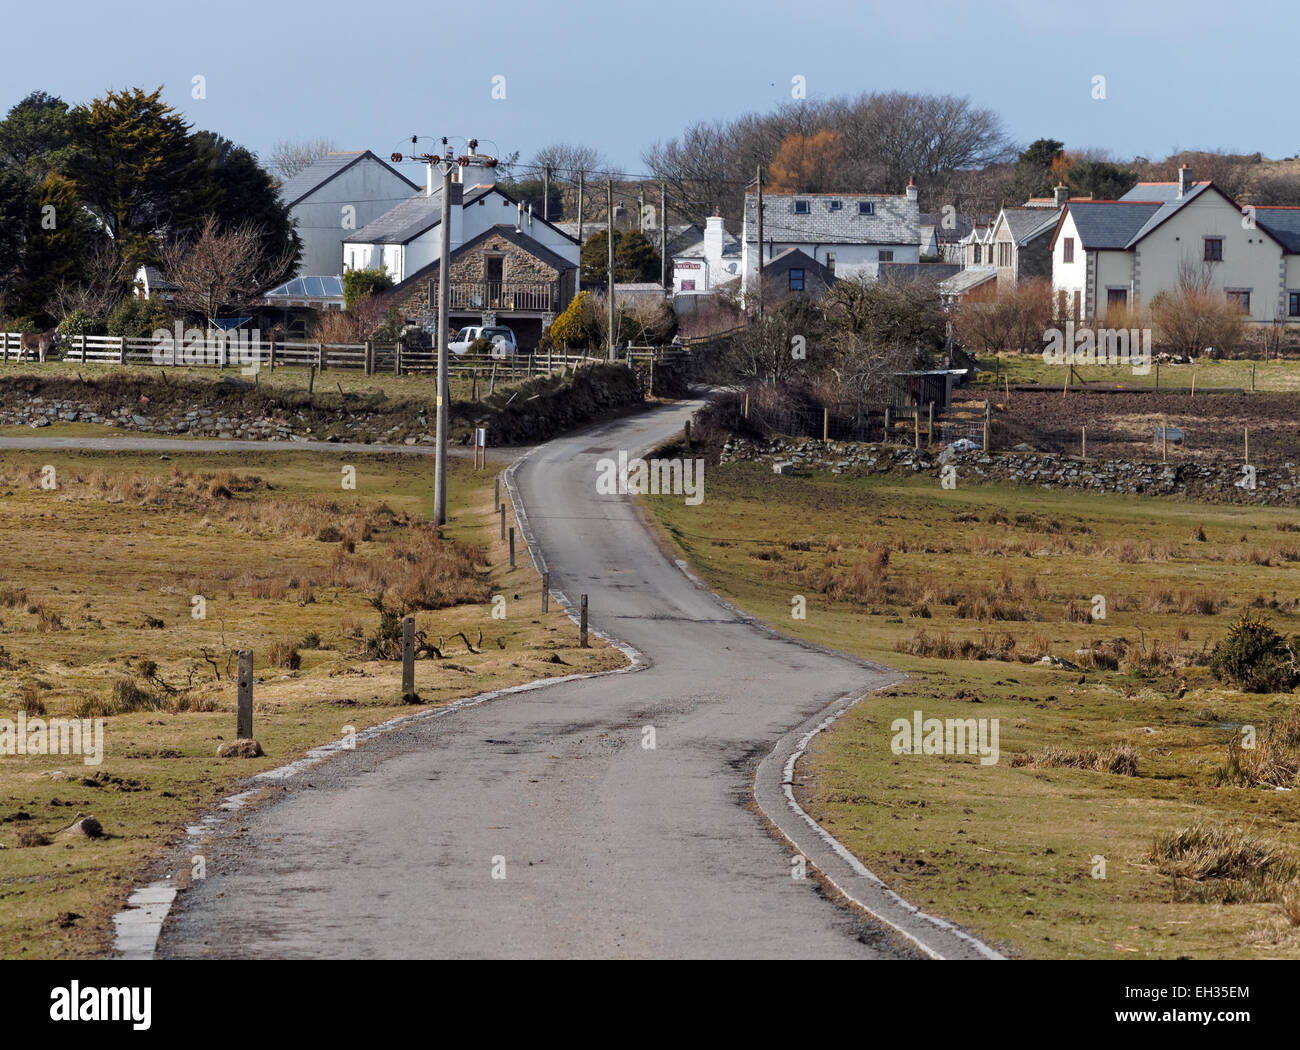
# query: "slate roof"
1283, 223
330, 166
1110, 224
412, 217
963, 225
695, 250
1027, 223
971, 277
896, 220
156, 281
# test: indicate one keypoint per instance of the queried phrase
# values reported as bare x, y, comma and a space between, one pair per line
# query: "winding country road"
608, 849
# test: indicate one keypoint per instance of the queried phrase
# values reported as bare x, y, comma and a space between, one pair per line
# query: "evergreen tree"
635, 259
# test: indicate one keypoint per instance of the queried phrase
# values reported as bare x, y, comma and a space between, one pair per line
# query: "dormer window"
801, 207
834, 205
866, 207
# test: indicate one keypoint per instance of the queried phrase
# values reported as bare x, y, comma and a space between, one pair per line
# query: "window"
977, 253
1116, 297
796, 280
866, 208
1240, 296
1293, 304
801, 207
1067, 250
834, 205
885, 255
830, 261
1004, 254
1214, 249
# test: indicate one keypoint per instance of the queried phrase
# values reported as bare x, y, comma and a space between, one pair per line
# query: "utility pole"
444, 309
758, 284
663, 234
581, 180
640, 207
546, 193
609, 242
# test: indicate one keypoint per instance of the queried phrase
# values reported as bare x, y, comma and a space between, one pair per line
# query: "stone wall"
1216, 483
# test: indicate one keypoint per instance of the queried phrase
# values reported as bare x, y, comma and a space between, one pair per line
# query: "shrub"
137, 318
569, 328
1222, 863
1254, 657
285, 654
357, 284
81, 323
1189, 320
1274, 761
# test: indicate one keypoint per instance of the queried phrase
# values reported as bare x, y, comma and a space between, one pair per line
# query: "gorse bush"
1254, 657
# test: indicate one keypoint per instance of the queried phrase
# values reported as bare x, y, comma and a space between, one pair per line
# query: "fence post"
826, 423
929, 434
320, 356
408, 659
369, 365
496, 492
686, 429
746, 404
512, 546
1164, 438
1084, 443
885, 439
1247, 446
502, 509
916, 427
988, 419
244, 695
546, 592
272, 351
582, 624
1252, 377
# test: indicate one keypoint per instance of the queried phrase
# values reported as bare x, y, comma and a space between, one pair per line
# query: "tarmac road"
608, 848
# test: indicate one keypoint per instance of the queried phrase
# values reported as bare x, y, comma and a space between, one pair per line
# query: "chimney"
1184, 180
714, 237
911, 189
1062, 194
475, 168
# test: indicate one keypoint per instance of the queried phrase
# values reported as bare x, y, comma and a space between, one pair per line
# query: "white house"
406, 238
1107, 255
331, 198
849, 233
709, 262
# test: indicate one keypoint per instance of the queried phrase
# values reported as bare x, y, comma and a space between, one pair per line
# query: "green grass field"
1275, 377
904, 573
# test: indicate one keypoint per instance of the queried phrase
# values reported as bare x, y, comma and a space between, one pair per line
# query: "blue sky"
1216, 75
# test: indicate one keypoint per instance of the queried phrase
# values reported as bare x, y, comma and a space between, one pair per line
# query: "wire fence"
918, 426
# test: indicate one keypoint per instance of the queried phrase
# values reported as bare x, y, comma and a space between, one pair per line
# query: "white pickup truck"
501, 338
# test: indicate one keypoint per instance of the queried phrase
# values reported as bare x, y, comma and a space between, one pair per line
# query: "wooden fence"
371, 358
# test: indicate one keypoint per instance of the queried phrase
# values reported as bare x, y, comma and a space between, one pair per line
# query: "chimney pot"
1061, 193
1184, 180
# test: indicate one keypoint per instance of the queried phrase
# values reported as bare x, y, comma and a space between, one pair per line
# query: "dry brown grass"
1274, 761
1120, 760
1225, 864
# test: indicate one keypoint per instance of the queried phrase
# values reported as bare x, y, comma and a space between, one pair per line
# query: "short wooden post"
988, 423
1193, 382
244, 695
320, 355
916, 426
271, 351
502, 509
1157, 375
826, 423
1084, 443
397, 359
929, 434
746, 404
369, 365
582, 624
885, 439
492, 381
546, 592
408, 658
512, 546
1164, 439
686, 430
496, 492
1252, 377
311, 379
1247, 446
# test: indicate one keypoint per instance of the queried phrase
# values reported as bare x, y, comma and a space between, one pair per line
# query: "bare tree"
218, 268
566, 159
105, 283
290, 156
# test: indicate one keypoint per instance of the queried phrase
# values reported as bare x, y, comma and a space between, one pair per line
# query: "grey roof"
156, 281
695, 250
1027, 223
947, 235
1110, 224
971, 277
1156, 191
507, 230
1283, 223
322, 171
917, 271
896, 220
412, 217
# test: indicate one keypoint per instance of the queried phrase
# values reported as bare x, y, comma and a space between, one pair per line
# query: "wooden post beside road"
1252, 377
496, 493
546, 592
244, 695
512, 546
582, 624
408, 659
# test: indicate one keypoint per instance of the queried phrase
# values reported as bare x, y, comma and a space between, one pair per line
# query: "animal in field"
39, 343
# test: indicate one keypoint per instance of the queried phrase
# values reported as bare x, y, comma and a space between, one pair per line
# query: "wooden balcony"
505, 296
